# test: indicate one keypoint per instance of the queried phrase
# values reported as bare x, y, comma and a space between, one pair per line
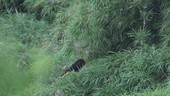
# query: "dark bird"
76, 66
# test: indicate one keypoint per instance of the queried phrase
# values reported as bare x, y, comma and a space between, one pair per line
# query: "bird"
76, 66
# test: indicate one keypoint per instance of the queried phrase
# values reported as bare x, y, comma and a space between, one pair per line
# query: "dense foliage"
125, 44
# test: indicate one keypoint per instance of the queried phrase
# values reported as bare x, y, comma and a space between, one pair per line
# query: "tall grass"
11, 6
96, 27
120, 41
23, 58
165, 27
124, 72
12, 78
46, 9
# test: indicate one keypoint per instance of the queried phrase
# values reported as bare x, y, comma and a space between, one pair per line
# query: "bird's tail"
66, 70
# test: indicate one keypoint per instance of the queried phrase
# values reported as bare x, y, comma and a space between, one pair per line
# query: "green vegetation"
125, 44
